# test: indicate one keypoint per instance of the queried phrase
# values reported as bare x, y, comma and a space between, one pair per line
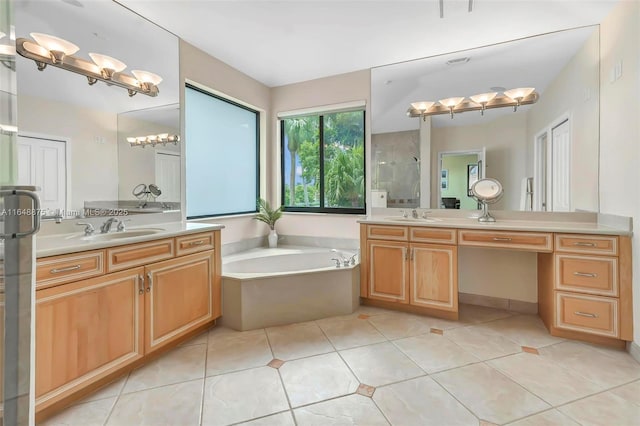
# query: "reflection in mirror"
545, 154
68, 129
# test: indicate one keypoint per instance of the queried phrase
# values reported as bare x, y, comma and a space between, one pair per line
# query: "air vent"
458, 61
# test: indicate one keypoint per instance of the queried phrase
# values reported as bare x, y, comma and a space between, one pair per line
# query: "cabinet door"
388, 274
86, 330
434, 276
180, 296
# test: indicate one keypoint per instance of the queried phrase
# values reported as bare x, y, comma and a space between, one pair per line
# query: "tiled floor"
376, 367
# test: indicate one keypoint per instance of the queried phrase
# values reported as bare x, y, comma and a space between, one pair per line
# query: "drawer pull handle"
66, 269
585, 314
140, 284
585, 274
501, 239
581, 244
196, 243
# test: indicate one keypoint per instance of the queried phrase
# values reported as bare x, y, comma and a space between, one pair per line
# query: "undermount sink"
413, 219
122, 234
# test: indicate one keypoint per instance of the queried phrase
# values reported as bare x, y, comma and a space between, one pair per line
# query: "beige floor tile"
552, 383
167, 405
603, 409
371, 310
547, 418
317, 378
298, 341
630, 392
473, 314
197, 340
280, 419
348, 410
345, 333
380, 364
434, 353
482, 343
85, 414
489, 394
242, 396
180, 365
525, 330
421, 402
400, 325
112, 389
608, 367
233, 351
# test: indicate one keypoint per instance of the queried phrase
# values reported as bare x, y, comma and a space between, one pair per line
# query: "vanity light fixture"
8, 51
7, 129
510, 98
57, 52
153, 140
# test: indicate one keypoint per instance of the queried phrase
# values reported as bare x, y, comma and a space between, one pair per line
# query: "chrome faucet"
88, 228
106, 226
121, 226
337, 262
414, 213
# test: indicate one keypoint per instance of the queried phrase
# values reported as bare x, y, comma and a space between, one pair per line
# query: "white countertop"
50, 245
501, 225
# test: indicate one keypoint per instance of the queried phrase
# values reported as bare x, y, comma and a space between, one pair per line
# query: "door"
42, 163
560, 178
85, 330
540, 173
434, 276
388, 274
179, 297
168, 176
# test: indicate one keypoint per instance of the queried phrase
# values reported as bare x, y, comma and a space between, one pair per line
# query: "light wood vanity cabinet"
88, 330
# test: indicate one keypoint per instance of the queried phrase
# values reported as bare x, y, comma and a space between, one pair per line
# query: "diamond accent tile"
437, 331
530, 350
275, 363
363, 316
365, 390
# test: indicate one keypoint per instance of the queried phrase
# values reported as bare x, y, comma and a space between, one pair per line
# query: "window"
222, 155
323, 177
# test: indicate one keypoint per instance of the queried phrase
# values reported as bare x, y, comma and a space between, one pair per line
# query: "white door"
560, 179
42, 163
168, 176
540, 173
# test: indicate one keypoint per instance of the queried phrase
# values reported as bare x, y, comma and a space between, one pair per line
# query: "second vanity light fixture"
57, 52
510, 98
153, 140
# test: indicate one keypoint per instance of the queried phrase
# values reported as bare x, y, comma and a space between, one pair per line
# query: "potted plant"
269, 216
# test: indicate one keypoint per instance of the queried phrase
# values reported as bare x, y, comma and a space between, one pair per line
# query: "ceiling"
283, 42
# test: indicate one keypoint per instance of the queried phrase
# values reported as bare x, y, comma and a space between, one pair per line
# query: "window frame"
258, 171
321, 209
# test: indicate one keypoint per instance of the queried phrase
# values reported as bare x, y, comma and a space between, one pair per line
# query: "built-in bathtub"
268, 287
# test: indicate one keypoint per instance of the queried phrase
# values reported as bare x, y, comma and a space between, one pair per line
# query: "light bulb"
57, 47
146, 77
483, 99
108, 65
451, 103
422, 106
518, 95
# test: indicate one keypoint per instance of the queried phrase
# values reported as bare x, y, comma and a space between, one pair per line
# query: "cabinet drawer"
590, 314
589, 244
194, 243
51, 271
381, 232
531, 241
119, 258
584, 274
433, 235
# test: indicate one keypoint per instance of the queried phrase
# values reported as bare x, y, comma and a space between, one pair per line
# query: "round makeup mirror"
140, 191
154, 190
486, 191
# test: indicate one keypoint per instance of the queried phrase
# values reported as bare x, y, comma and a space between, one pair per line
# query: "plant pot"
273, 239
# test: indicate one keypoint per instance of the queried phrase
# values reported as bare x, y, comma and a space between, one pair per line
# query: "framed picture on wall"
472, 177
444, 179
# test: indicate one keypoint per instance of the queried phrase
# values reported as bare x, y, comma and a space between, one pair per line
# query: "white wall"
619, 127
93, 147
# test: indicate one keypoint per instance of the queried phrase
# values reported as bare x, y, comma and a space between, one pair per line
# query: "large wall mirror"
544, 154
73, 136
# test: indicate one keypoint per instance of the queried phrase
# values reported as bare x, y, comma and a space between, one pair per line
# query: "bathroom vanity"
105, 303
584, 270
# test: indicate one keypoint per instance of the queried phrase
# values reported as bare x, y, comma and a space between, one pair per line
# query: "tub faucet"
352, 259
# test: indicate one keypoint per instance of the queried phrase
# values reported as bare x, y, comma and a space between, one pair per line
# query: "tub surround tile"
405, 404
180, 365
490, 395
605, 408
298, 341
547, 418
607, 367
167, 405
435, 353
347, 410
525, 330
281, 419
545, 379
237, 351
380, 364
93, 413
345, 333
482, 343
242, 396
365, 390
317, 378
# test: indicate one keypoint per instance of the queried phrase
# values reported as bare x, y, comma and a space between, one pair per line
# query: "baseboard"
634, 350
512, 305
